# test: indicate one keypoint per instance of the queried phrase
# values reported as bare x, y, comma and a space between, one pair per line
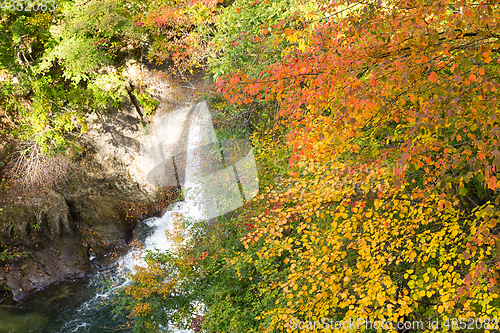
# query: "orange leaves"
487, 57
423, 59
368, 98
492, 183
433, 77
453, 68
140, 309
165, 22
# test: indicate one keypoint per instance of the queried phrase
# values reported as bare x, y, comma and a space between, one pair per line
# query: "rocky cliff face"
86, 216
59, 230
58, 235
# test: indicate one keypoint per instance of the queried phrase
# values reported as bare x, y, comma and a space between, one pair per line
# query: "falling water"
184, 143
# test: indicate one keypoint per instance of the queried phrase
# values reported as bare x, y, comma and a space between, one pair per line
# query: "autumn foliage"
178, 29
387, 206
391, 212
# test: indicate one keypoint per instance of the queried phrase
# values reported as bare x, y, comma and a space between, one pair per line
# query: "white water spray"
187, 153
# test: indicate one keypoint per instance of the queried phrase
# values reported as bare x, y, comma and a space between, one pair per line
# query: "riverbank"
51, 233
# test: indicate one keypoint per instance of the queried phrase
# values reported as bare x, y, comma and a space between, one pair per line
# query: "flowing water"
209, 190
72, 306
82, 305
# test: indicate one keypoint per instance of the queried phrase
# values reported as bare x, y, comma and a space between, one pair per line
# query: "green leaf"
462, 191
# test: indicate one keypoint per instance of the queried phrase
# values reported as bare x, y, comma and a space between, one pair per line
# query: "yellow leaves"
380, 299
292, 37
409, 232
140, 309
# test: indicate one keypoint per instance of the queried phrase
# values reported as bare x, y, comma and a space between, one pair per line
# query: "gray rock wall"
59, 235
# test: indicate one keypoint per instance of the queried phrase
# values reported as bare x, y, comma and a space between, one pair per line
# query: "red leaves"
203, 255
403, 158
360, 81
101, 40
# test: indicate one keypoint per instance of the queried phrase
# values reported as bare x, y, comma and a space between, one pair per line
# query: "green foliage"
54, 65
148, 103
107, 89
82, 42
228, 300
231, 121
78, 56
10, 255
24, 35
244, 39
47, 119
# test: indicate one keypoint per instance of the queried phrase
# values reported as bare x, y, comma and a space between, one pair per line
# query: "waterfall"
193, 166
215, 177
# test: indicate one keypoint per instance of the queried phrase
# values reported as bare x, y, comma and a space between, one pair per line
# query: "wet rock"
55, 213
57, 236
102, 222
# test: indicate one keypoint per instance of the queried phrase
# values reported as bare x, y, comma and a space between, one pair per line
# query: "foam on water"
208, 190
194, 206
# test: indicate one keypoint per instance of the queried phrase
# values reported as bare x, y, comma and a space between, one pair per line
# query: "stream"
72, 306
214, 182
79, 305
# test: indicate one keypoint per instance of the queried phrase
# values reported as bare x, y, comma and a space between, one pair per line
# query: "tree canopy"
375, 126
388, 210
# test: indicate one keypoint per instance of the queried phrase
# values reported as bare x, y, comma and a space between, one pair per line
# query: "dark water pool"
73, 306
81, 305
